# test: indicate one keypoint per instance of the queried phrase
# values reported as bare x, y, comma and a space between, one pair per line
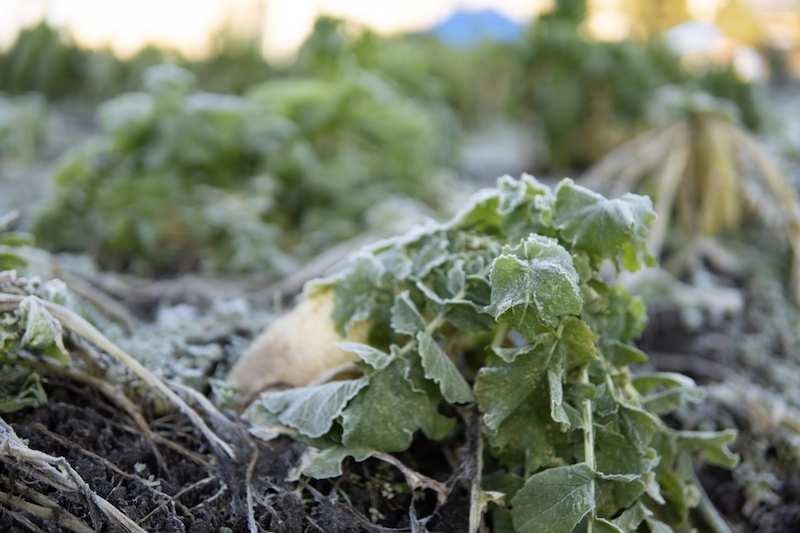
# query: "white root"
296, 348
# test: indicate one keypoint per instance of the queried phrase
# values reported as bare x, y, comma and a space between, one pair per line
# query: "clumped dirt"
204, 492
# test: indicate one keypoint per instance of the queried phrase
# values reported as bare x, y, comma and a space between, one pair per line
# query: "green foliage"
504, 307
590, 96
23, 124
47, 60
461, 88
9, 242
587, 95
27, 329
182, 178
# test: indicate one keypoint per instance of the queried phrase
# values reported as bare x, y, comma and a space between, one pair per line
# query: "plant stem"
588, 438
500, 334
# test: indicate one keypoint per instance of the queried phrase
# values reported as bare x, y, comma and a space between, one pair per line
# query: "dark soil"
205, 492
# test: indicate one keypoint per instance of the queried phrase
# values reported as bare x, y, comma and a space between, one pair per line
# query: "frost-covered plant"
504, 308
707, 175
181, 179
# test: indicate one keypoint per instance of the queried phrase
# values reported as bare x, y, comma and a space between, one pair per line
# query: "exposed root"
59, 474
81, 327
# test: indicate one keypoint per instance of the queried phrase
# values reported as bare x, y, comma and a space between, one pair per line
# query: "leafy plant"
503, 308
706, 173
460, 87
182, 179
590, 96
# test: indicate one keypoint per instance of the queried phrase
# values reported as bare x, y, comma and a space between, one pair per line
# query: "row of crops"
182, 177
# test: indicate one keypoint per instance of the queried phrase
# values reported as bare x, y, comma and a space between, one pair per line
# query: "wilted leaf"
328, 462
312, 410
42, 331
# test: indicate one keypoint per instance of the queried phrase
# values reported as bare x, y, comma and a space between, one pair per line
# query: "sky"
126, 25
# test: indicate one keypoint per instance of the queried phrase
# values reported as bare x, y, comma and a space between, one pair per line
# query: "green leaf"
713, 445
536, 290
557, 412
328, 462
20, 388
439, 368
14, 238
312, 410
621, 354
9, 261
501, 389
430, 254
354, 294
601, 525
405, 316
637, 425
502, 481
577, 342
656, 526
615, 454
677, 390
626, 317
466, 316
480, 214
510, 354
511, 193
372, 356
630, 519
386, 413
619, 492
555, 500
673, 490
646, 382
456, 279
396, 262
528, 434
602, 227
514, 193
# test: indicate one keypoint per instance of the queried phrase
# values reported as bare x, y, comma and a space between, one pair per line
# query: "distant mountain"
466, 28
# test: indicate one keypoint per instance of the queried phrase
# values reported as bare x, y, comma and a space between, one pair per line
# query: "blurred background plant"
237, 165
23, 126
590, 96
183, 179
